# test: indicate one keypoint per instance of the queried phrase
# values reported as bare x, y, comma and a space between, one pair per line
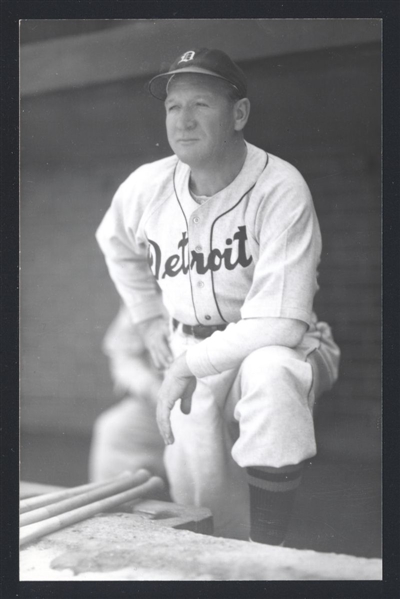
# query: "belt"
199, 331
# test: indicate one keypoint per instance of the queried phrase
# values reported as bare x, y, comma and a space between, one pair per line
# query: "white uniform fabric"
200, 465
249, 252
260, 414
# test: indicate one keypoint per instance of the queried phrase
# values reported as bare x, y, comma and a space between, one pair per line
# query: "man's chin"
189, 156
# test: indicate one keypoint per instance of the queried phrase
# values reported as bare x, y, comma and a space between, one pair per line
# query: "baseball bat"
32, 503
118, 485
34, 531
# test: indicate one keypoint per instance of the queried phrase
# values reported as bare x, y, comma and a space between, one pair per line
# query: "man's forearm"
227, 349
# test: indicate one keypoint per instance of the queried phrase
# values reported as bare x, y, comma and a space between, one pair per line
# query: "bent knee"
277, 355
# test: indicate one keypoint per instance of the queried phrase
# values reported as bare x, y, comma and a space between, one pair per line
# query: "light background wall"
87, 123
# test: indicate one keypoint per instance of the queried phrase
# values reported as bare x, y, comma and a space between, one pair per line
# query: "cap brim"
158, 85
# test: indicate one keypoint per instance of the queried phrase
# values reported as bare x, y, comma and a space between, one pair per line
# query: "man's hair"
232, 93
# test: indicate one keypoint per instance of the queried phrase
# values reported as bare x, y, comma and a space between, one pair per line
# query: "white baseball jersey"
250, 251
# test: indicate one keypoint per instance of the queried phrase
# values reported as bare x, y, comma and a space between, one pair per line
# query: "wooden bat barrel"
34, 531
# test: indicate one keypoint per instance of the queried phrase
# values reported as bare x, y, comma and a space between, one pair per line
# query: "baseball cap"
202, 61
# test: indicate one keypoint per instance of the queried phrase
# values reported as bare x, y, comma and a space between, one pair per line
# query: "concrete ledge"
119, 547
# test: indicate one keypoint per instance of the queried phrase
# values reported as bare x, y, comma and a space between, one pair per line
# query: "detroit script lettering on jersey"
216, 259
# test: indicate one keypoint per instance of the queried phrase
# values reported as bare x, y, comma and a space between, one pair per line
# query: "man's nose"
187, 119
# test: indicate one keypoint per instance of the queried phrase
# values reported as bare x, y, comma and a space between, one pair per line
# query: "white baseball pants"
258, 415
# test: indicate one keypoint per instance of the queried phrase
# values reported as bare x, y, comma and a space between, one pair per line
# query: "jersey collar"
254, 164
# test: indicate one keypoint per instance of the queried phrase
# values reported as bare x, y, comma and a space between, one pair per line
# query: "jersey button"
207, 317
198, 248
200, 284
196, 220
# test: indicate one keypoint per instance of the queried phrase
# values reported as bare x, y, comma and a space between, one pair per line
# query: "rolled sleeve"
198, 360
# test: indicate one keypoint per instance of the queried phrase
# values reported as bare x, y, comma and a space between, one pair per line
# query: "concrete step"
119, 547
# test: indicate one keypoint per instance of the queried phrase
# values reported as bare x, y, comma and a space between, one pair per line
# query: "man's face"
199, 119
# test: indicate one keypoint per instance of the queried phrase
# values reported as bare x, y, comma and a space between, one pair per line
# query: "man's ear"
242, 112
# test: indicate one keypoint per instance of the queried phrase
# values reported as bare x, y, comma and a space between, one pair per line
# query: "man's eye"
201, 104
172, 107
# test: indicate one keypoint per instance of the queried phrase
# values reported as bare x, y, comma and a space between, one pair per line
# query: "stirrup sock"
272, 493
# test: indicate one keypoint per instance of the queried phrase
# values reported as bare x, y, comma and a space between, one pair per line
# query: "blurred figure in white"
126, 437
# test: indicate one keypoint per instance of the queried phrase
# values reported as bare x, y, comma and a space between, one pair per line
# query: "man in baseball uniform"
230, 235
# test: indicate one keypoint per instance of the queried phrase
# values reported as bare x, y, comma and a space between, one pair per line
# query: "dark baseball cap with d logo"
205, 62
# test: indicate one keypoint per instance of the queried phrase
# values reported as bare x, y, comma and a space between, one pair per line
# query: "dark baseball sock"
272, 493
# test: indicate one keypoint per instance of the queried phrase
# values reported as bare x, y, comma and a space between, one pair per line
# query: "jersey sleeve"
126, 255
289, 241
227, 349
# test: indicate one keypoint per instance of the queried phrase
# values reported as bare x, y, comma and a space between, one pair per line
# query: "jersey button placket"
199, 248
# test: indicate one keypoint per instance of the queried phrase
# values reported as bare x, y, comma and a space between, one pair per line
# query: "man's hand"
155, 334
179, 383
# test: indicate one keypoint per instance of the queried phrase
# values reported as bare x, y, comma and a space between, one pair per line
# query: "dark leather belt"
199, 331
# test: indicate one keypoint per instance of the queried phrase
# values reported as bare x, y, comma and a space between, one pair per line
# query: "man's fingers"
163, 420
160, 362
161, 357
165, 353
156, 361
186, 405
186, 399
174, 387
161, 353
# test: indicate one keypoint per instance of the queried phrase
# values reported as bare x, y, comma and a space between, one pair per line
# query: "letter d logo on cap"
187, 56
